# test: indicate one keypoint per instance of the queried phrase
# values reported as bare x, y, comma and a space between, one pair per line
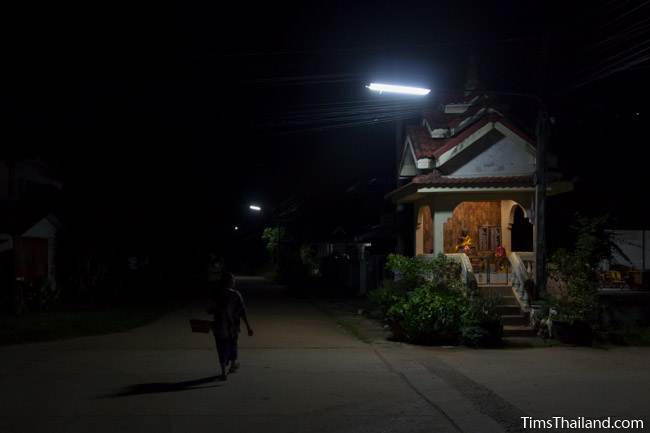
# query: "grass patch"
353, 329
344, 319
56, 325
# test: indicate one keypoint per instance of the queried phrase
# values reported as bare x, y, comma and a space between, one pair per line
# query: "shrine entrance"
521, 231
476, 229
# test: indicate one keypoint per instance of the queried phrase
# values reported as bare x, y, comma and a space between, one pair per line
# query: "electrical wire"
320, 128
352, 50
622, 59
337, 116
642, 5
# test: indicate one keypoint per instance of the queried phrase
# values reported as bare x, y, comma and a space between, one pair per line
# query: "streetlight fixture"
255, 208
395, 88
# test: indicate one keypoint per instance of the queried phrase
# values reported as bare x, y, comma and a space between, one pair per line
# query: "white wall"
506, 157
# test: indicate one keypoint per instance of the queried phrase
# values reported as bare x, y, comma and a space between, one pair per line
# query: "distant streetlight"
255, 208
394, 88
236, 228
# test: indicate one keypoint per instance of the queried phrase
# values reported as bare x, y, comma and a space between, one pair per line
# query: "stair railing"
523, 266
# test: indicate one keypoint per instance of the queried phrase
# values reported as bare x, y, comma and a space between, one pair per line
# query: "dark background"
165, 121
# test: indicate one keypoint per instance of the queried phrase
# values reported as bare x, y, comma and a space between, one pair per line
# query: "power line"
306, 79
628, 57
617, 19
351, 50
640, 48
322, 128
629, 32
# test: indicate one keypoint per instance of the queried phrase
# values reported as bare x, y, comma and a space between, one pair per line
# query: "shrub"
481, 309
578, 269
408, 271
444, 272
413, 272
386, 296
476, 336
274, 236
481, 322
427, 304
309, 259
429, 316
41, 295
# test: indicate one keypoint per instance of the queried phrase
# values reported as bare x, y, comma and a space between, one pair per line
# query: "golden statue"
466, 245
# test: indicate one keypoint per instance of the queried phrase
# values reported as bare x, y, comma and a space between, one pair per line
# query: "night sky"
165, 122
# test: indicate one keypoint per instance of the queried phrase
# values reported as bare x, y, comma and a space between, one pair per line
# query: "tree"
273, 236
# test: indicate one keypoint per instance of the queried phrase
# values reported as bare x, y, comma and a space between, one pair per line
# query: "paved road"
300, 373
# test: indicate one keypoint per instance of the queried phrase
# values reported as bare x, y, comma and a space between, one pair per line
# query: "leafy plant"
41, 295
578, 268
481, 309
427, 304
475, 336
428, 316
309, 259
386, 296
481, 321
273, 236
408, 271
413, 272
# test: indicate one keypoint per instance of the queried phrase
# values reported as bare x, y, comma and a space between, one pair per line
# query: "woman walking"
228, 310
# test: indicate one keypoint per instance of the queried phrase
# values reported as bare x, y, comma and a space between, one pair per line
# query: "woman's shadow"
158, 387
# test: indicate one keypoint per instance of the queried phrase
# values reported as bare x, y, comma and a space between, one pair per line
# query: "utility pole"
540, 200
540, 175
399, 141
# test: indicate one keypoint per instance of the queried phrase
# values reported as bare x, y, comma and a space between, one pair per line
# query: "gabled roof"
467, 130
423, 145
426, 147
436, 180
460, 97
18, 219
437, 119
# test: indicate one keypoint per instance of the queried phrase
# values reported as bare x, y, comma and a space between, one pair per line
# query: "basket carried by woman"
203, 326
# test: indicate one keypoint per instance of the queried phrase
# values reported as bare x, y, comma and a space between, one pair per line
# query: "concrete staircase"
516, 323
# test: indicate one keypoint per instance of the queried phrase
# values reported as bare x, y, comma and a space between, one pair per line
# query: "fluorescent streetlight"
255, 208
392, 88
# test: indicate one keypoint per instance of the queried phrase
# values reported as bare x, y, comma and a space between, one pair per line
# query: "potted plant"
481, 322
571, 324
577, 306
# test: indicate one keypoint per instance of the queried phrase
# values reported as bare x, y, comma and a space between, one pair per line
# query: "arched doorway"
521, 231
424, 232
480, 221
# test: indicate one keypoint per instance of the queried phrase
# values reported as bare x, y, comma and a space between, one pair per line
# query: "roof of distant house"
17, 219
